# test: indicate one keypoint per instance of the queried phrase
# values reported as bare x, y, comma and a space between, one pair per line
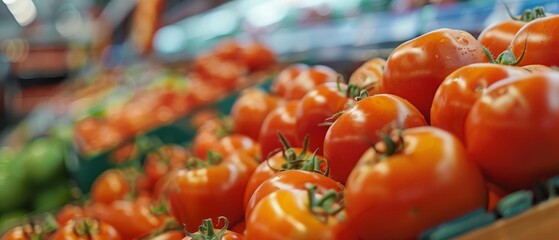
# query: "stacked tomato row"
436, 131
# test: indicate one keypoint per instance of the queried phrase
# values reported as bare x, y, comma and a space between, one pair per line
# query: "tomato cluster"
436, 131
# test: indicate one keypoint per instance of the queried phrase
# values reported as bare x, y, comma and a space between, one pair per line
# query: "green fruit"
13, 189
6, 154
52, 198
11, 219
43, 160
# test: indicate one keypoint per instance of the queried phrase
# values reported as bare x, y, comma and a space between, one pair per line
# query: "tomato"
415, 69
358, 127
239, 227
169, 235
423, 180
228, 49
537, 38
285, 78
85, 229
256, 56
308, 79
110, 186
207, 231
537, 68
459, 91
281, 119
132, 219
369, 76
236, 142
289, 180
209, 189
208, 135
511, 131
317, 108
497, 37
250, 109
290, 214
43, 229
287, 159
69, 212
163, 160
219, 72
124, 153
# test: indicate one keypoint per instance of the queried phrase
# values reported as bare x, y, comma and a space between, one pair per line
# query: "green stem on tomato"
329, 204
207, 231
197, 163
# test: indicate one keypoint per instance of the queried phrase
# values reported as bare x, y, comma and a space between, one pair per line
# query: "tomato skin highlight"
459, 91
308, 79
282, 81
511, 131
428, 182
358, 127
537, 38
415, 69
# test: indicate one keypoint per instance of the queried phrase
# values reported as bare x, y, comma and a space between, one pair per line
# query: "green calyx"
528, 14
197, 163
507, 57
39, 230
389, 144
302, 161
207, 231
330, 204
86, 227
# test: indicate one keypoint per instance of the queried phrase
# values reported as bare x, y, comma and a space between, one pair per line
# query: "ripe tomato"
287, 159
317, 108
37, 230
228, 49
216, 184
69, 212
459, 91
132, 219
537, 68
369, 76
308, 79
289, 214
85, 229
124, 153
415, 69
208, 135
281, 119
219, 72
237, 142
207, 231
168, 235
290, 180
285, 78
250, 109
358, 127
110, 186
497, 37
164, 160
511, 131
423, 180
256, 56
537, 38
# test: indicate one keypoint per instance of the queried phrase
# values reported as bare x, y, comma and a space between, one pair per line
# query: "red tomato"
236, 142
169, 235
296, 158
86, 229
124, 153
219, 185
250, 109
511, 131
282, 120
459, 91
497, 37
537, 38
208, 135
207, 231
132, 219
424, 180
289, 214
37, 230
308, 79
218, 71
358, 127
415, 69
256, 56
537, 68
369, 76
69, 212
110, 186
290, 180
228, 49
163, 160
285, 78
239, 228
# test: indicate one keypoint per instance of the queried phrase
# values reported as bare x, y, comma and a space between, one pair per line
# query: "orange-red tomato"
237, 142
415, 69
316, 110
28, 232
285, 78
110, 186
250, 110
290, 180
208, 231
537, 38
169, 235
209, 192
256, 56
424, 181
163, 160
308, 79
132, 219
511, 131
497, 37
369, 76
459, 91
358, 127
69, 212
281, 119
207, 137
86, 229
287, 214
